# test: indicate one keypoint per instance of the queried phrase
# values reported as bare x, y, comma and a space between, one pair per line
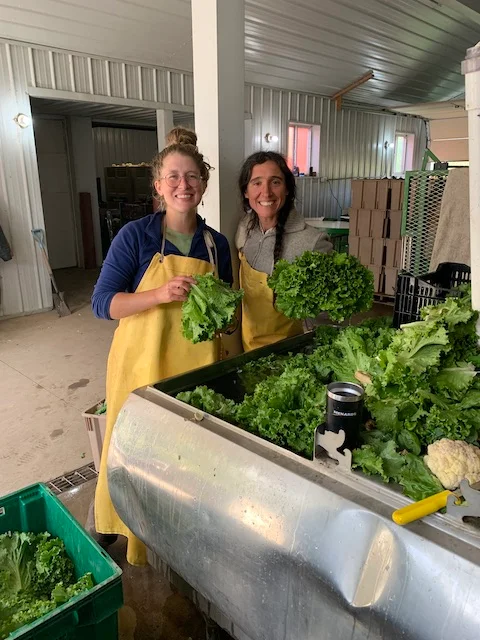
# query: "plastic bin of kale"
412, 293
91, 615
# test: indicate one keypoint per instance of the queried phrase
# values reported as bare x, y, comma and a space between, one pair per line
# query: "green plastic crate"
92, 615
340, 243
339, 239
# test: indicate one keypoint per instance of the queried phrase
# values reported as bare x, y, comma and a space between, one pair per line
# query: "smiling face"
180, 184
266, 190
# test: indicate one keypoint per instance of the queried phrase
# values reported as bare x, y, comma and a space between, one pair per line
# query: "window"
403, 154
303, 147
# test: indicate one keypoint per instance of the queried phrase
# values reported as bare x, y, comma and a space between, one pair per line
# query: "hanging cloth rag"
452, 241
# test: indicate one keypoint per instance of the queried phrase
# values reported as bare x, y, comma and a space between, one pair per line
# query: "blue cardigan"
132, 251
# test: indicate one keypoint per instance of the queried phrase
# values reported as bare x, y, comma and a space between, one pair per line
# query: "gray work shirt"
258, 245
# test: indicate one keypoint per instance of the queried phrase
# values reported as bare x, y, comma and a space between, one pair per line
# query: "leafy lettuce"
36, 576
208, 400
209, 308
423, 382
317, 282
381, 457
420, 385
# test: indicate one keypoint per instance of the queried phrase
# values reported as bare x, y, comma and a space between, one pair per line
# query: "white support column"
218, 31
164, 125
471, 69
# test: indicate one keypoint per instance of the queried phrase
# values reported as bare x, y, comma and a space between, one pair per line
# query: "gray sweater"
298, 237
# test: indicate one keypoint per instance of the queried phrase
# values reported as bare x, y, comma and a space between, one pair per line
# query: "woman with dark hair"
272, 229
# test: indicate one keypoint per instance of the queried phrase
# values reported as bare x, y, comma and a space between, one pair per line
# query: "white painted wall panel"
25, 284
449, 139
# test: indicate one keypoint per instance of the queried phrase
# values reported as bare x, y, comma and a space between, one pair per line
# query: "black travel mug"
344, 411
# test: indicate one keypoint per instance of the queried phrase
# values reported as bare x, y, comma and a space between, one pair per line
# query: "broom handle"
38, 236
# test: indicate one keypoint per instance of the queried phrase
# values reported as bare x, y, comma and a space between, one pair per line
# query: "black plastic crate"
412, 293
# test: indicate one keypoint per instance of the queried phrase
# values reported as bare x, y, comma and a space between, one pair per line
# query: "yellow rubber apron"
146, 348
262, 324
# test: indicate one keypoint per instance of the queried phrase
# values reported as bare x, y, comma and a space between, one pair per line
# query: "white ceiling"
414, 47
448, 110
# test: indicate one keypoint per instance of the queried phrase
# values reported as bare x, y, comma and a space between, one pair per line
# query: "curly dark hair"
260, 157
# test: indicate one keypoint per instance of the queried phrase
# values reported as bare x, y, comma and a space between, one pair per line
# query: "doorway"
56, 188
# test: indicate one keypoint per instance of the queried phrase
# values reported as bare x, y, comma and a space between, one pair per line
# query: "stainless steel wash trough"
286, 548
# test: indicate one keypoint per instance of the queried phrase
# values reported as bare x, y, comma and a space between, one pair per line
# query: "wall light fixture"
23, 121
269, 138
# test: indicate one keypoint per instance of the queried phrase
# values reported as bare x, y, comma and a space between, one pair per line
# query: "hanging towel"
5, 251
452, 242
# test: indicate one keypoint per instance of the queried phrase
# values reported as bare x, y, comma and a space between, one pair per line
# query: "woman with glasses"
271, 229
146, 276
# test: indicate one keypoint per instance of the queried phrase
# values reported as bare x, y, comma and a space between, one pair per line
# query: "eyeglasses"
174, 179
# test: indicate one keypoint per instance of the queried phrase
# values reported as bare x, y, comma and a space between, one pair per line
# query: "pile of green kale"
420, 386
36, 576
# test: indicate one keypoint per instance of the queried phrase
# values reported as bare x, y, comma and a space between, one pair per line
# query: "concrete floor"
153, 609
51, 369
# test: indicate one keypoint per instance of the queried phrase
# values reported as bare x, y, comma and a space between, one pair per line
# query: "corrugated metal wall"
352, 143
113, 146
23, 280
39, 71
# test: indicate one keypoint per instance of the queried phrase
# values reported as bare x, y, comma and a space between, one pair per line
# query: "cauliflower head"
452, 461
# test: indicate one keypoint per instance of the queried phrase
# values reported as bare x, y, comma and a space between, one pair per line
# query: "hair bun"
180, 135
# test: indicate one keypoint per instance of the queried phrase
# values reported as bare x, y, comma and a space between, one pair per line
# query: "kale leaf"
208, 400
336, 283
36, 576
406, 469
209, 308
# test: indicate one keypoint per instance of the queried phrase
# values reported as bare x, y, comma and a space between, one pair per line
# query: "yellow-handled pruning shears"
420, 509
455, 507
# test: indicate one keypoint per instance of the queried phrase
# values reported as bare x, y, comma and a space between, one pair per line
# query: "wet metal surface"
284, 547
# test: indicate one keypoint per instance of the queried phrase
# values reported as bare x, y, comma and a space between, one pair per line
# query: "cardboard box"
357, 194
369, 194
393, 253
365, 251
390, 281
390, 253
389, 194
398, 254
378, 250
383, 192
377, 277
353, 245
96, 426
395, 224
378, 223
353, 221
363, 223
396, 198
